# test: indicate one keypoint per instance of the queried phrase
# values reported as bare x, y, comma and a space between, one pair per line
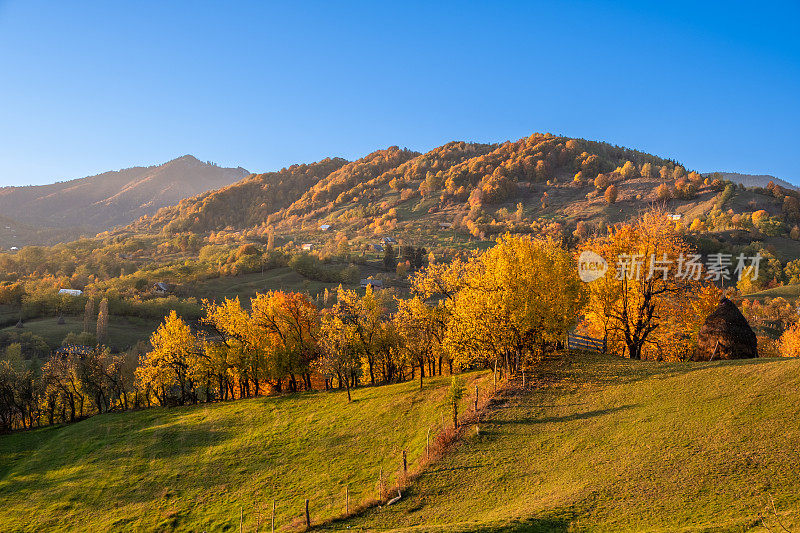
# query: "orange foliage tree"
646, 306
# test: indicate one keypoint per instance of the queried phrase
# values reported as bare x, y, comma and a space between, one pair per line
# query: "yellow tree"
651, 289
515, 299
102, 321
287, 324
790, 341
169, 364
366, 314
339, 355
629, 170
421, 329
611, 194
247, 347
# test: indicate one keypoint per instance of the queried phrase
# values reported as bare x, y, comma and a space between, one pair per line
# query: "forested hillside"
388, 187
540, 184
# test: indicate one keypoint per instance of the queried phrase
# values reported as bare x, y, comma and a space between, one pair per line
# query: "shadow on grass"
567, 418
582, 368
530, 525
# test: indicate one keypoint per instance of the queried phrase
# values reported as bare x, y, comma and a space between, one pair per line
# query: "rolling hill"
401, 185
609, 444
196, 468
595, 443
97, 203
461, 191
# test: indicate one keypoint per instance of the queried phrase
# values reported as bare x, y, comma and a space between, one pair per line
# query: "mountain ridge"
102, 201
753, 180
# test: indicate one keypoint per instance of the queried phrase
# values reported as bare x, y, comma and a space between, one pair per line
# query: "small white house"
445, 225
676, 216
388, 240
70, 292
307, 247
14, 249
325, 227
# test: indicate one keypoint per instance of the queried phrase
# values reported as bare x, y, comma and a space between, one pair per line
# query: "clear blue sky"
92, 86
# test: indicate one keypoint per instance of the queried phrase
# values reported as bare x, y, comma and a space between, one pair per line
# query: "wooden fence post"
405, 464
347, 500
241, 518
273, 516
476, 398
428, 445
308, 516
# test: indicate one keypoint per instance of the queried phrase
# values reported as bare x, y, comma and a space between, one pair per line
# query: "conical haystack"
726, 335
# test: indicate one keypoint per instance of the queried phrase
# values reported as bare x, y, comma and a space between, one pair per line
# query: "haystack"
726, 335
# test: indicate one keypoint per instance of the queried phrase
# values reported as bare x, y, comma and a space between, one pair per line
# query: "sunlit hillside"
197, 468
605, 444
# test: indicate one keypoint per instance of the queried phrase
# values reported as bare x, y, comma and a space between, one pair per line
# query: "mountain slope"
395, 185
610, 444
753, 180
97, 203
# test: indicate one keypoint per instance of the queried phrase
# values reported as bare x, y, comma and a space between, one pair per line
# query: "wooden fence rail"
584, 342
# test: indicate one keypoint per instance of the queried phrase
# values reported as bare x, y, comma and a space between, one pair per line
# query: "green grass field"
194, 468
247, 285
123, 332
617, 445
593, 444
8, 314
790, 292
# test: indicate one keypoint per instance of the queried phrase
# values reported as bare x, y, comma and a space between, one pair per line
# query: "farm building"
162, 288
374, 283
70, 292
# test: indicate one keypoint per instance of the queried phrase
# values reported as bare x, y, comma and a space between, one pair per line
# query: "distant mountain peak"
100, 202
189, 158
754, 180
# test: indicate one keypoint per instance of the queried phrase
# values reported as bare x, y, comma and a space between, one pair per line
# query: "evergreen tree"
389, 257
102, 321
88, 314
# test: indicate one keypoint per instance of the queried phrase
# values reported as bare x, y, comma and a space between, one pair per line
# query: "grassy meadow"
606, 444
123, 332
196, 468
245, 286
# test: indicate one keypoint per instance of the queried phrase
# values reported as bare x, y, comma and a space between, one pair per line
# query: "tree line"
504, 309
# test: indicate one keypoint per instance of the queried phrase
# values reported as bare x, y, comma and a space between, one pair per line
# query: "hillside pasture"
606, 444
123, 332
196, 468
